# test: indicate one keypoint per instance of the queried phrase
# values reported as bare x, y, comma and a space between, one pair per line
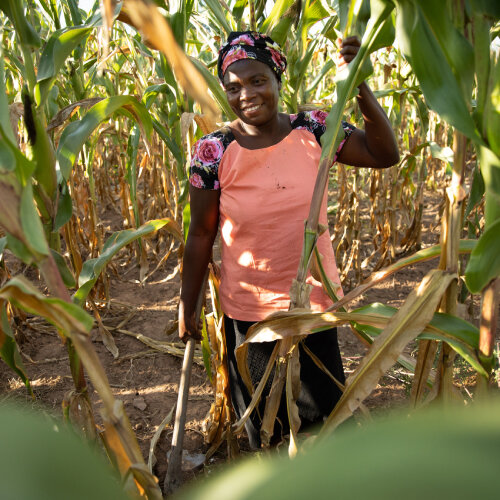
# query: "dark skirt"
318, 394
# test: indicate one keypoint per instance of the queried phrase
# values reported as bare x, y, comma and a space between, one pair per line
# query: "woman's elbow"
389, 159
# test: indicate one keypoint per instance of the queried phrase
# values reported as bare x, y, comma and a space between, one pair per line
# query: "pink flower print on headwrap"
235, 54
243, 40
276, 56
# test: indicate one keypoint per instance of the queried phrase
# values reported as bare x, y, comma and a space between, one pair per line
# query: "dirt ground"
146, 380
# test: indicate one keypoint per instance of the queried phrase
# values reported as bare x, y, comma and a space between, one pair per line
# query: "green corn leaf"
330, 140
280, 8
169, 141
490, 169
14, 10
77, 132
59, 46
75, 12
71, 462
215, 88
492, 109
152, 92
19, 249
443, 92
64, 208
186, 220
461, 335
215, 8
9, 351
66, 274
31, 224
131, 169
476, 191
64, 315
482, 66
4, 105
7, 158
404, 326
92, 268
282, 30
350, 462
489, 8
457, 49
484, 262
3, 244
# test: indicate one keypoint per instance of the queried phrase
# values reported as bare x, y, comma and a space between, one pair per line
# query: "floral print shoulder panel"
206, 157
314, 121
208, 151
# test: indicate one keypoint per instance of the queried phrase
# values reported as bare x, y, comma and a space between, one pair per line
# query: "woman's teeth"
252, 108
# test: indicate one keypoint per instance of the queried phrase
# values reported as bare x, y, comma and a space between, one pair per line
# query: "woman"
255, 179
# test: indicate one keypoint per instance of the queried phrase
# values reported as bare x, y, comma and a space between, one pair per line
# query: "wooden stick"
174, 469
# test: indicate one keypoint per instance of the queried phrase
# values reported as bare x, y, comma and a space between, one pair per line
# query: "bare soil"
147, 380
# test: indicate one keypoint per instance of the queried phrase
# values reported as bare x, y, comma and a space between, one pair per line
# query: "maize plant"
99, 111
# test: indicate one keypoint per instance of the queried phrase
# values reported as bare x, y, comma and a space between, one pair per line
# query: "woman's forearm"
196, 258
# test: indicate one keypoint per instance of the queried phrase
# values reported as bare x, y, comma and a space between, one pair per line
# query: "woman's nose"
246, 93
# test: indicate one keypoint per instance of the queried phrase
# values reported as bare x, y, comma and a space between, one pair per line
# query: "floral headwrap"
251, 45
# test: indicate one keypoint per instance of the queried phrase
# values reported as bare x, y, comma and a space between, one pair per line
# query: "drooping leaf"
465, 246
58, 48
92, 268
77, 132
456, 48
404, 326
9, 351
146, 17
460, 334
64, 315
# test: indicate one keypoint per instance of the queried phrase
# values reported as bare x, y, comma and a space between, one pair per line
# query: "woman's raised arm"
376, 145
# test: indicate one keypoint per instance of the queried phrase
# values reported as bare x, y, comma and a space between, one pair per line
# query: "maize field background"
99, 109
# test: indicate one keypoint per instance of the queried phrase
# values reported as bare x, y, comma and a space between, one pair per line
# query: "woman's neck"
261, 136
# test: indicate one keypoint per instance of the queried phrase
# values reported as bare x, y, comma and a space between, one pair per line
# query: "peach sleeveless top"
264, 202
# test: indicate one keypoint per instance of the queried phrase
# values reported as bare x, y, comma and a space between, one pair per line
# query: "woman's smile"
251, 110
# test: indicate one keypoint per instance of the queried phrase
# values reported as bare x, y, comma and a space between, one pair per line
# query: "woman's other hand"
189, 326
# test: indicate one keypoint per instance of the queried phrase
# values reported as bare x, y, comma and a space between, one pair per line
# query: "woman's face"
252, 90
